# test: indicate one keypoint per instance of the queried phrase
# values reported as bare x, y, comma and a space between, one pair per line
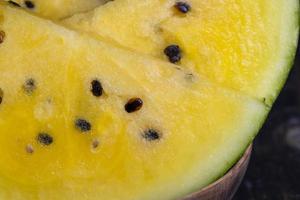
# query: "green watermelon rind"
292, 42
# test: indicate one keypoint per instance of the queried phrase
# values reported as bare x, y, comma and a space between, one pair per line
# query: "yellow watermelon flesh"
64, 138
244, 45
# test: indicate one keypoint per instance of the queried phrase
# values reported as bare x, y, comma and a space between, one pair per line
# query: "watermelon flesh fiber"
202, 127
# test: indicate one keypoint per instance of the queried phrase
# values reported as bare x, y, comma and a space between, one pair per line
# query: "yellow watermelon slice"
84, 119
244, 45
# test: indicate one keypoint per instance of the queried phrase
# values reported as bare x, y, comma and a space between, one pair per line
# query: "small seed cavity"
183, 7
151, 135
2, 36
96, 88
190, 77
29, 149
29, 4
173, 52
14, 3
29, 86
133, 105
95, 143
1, 95
83, 125
44, 139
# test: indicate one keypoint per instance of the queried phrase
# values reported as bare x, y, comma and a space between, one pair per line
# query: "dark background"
274, 170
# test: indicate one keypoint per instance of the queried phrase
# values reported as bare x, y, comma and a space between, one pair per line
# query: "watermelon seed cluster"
173, 52
133, 104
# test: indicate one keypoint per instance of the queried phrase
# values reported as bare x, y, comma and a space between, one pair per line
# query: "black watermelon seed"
83, 125
183, 7
29, 85
29, 4
2, 36
44, 139
151, 135
14, 3
173, 52
97, 88
1, 95
134, 105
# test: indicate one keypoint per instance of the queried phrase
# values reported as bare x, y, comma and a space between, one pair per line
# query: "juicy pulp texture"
58, 9
244, 45
45, 85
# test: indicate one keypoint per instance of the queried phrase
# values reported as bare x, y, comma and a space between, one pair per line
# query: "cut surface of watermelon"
244, 45
66, 132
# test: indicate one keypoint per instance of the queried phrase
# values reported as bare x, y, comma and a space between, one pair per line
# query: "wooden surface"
225, 187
